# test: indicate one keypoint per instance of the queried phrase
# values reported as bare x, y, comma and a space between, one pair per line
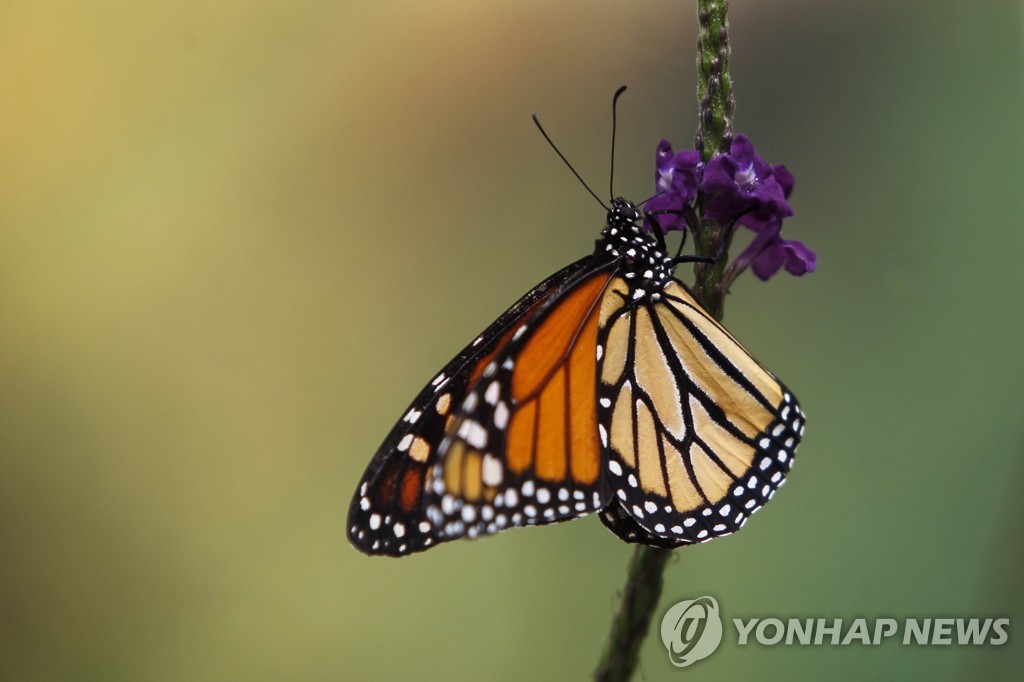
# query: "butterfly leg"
688, 215
679, 260
659, 233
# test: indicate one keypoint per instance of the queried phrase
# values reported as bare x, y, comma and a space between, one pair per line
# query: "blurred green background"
237, 237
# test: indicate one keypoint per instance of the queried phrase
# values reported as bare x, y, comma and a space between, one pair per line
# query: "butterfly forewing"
388, 514
524, 448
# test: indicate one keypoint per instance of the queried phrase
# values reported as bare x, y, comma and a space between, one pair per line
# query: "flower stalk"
714, 136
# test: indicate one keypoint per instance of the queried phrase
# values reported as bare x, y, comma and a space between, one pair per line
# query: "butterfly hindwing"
387, 514
701, 435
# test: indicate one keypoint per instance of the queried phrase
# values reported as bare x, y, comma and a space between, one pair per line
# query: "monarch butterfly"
607, 388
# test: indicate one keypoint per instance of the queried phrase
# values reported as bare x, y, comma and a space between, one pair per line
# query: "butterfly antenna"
611, 178
566, 162
653, 196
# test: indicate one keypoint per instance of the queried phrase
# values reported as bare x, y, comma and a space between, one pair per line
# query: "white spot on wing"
491, 471
501, 415
477, 436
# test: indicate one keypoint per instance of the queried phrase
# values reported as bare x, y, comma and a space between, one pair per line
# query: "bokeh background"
237, 237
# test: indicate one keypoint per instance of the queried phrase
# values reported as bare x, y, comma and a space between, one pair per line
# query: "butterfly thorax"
642, 261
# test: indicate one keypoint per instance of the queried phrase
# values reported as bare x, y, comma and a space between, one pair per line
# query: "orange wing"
525, 448
388, 511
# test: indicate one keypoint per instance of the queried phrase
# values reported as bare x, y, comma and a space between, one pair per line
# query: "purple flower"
738, 187
745, 188
741, 185
769, 252
676, 179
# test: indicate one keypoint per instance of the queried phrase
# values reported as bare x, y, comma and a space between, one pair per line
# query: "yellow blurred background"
236, 238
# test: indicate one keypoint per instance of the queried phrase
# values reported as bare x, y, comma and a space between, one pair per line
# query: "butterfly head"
623, 214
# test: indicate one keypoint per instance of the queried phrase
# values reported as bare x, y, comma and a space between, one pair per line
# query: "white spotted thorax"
649, 267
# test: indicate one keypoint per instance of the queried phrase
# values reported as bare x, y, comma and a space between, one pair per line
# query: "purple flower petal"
795, 256
741, 185
799, 259
755, 250
768, 262
784, 178
676, 179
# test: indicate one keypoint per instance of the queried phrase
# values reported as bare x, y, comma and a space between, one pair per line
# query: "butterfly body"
605, 389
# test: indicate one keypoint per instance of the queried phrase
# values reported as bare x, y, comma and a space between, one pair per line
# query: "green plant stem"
633, 619
714, 136
714, 84
644, 576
